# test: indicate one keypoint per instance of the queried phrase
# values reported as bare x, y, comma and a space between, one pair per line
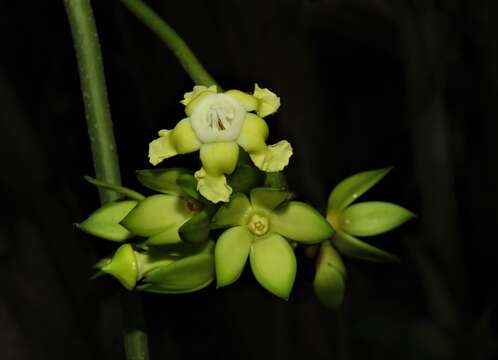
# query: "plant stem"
173, 41
132, 194
105, 156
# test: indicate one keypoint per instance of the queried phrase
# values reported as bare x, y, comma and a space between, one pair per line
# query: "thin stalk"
129, 193
103, 147
173, 41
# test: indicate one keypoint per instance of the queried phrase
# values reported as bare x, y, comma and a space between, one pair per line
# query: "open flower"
260, 228
217, 124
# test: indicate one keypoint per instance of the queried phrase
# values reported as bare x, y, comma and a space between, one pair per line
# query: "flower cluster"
206, 225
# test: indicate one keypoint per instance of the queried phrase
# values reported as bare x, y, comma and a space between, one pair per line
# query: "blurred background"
364, 84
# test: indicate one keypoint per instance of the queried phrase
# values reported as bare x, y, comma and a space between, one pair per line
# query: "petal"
253, 134
123, 266
273, 263
353, 187
105, 221
249, 102
268, 198
219, 158
230, 254
274, 158
189, 274
183, 138
299, 221
269, 102
329, 277
155, 214
233, 213
198, 89
192, 103
355, 248
161, 148
213, 187
372, 218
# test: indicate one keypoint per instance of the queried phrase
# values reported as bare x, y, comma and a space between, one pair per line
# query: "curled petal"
198, 89
180, 140
192, 103
269, 102
274, 158
161, 148
213, 187
249, 102
253, 134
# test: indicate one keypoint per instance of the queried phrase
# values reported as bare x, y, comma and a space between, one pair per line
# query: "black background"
364, 84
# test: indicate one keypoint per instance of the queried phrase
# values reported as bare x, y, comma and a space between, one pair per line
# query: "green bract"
216, 125
168, 269
260, 228
363, 219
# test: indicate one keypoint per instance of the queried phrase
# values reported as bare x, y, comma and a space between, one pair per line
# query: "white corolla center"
217, 118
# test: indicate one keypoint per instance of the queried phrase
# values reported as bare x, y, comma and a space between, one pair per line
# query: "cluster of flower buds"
205, 225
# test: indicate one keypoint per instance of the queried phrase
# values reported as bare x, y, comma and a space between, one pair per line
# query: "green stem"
132, 194
173, 41
103, 147
105, 156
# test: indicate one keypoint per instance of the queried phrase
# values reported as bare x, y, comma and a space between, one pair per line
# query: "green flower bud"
123, 266
105, 221
159, 217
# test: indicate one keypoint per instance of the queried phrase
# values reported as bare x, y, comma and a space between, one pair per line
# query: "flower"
363, 219
260, 227
216, 125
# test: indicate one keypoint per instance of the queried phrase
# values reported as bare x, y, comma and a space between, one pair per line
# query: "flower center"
217, 118
258, 224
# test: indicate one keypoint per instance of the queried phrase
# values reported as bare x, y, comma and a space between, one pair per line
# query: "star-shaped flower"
260, 228
216, 125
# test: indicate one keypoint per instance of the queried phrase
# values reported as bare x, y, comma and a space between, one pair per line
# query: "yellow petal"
213, 187
269, 102
198, 89
253, 134
219, 158
249, 102
195, 98
274, 158
180, 140
183, 138
161, 148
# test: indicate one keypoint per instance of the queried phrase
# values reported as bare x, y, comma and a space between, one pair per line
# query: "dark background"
364, 84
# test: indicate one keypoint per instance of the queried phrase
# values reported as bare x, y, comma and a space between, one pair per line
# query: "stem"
132, 194
105, 156
98, 116
173, 41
